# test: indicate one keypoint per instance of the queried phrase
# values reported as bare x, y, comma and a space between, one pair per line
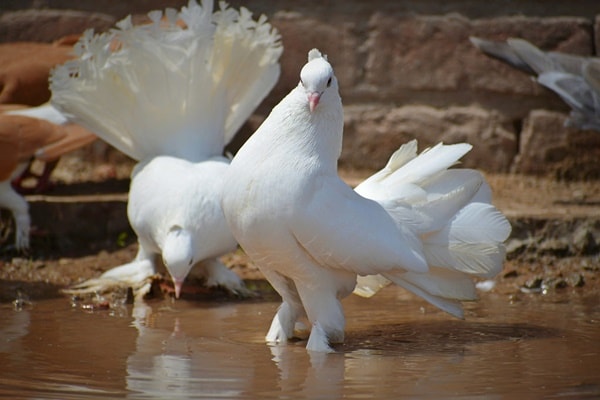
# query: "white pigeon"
576, 79
29, 133
311, 234
172, 97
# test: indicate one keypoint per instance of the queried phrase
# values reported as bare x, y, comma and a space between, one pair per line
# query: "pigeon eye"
329, 82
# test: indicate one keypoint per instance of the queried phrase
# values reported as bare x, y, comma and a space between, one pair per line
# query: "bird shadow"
439, 336
23, 292
107, 186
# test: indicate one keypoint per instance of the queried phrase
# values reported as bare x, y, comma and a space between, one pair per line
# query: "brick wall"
406, 69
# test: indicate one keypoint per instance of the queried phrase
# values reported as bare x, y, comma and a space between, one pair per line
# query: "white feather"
165, 90
452, 307
476, 222
478, 259
311, 235
443, 283
405, 169
171, 98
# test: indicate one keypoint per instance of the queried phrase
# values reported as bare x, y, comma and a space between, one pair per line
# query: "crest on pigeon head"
315, 53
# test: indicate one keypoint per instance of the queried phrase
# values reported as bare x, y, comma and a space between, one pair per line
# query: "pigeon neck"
319, 137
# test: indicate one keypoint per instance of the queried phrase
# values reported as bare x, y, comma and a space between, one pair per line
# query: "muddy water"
538, 346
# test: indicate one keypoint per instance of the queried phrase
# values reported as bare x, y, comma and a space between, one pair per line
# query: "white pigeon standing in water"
311, 234
172, 97
576, 79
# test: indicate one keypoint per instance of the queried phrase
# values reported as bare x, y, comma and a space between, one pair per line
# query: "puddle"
396, 346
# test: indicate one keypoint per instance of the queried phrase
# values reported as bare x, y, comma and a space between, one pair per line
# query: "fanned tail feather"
472, 242
451, 306
249, 49
404, 173
164, 89
461, 232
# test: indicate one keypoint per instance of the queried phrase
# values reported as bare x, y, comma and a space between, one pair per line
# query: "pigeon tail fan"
452, 307
244, 63
404, 170
461, 232
164, 89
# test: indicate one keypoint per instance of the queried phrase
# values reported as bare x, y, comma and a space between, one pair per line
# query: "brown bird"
41, 133
24, 70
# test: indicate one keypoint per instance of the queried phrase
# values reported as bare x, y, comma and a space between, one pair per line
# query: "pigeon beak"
178, 283
313, 100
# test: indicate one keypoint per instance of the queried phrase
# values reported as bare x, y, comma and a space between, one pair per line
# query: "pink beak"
178, 284
313, 100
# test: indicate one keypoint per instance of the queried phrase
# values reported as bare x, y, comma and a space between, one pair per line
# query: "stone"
586, 238
45, 25
597, 34
576, 280
429, 59
300, 33
547, 147
373, 133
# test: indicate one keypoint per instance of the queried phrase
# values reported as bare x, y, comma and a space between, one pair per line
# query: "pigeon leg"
282, 326
17, 183
136, 271
135, 274
43, 180
325, 312
215, 273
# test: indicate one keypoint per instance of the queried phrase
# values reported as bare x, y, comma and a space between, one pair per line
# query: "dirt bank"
81, 230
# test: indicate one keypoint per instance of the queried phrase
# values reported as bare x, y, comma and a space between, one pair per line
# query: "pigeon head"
317, 79
178, 255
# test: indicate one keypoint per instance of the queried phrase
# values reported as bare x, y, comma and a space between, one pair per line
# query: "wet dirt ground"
534, 332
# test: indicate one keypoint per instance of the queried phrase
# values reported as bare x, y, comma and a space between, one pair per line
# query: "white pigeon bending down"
311, 235
576, 79
172, 97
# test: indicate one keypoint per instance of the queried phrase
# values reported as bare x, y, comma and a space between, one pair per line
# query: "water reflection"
170, 362
188, 350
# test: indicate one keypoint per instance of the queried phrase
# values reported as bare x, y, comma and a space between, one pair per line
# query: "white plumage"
576, 79
172, 97
416, 223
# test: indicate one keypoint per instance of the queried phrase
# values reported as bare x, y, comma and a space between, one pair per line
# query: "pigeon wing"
340, 229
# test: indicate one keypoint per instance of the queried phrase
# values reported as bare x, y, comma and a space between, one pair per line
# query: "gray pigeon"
576, 79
